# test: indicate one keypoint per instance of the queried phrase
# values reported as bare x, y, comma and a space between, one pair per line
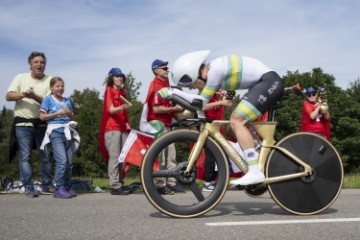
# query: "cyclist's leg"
245, 140
256, 102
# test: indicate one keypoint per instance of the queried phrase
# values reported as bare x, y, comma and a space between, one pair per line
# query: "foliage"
87, 110
6, 120
132, 88
352, 180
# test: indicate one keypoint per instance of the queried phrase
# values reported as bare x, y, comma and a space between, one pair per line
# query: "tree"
87, 110
6, 119
132, 87
132, 92
347, 126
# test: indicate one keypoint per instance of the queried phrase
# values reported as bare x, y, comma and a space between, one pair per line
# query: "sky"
84, 39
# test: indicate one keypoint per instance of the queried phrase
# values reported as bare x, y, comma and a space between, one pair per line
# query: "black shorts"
261, 97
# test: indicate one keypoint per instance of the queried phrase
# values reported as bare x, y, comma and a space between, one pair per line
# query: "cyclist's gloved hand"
165, 93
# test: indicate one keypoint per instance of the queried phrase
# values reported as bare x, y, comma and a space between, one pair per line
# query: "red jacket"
215, 113
109, 121
154, 99
318, 125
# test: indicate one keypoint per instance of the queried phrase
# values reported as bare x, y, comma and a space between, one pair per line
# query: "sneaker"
177, 188
31, 193
72, 192
119, 191
47, 190
136, 186
61, 193
250, 178
129, 188
209, 186
165, 191
6, 183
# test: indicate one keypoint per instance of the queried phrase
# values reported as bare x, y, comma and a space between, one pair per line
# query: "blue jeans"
25, 136
63, 153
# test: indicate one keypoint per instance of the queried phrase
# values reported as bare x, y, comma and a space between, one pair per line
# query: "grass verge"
352, 180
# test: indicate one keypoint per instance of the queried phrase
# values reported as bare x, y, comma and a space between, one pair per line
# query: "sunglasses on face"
311, 94
163, 68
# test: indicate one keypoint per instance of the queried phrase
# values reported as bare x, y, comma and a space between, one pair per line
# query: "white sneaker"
251, 178
209, 186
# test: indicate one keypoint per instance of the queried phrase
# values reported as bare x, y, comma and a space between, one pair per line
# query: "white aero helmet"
185, 70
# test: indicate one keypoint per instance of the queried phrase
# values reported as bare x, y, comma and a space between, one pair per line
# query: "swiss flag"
134, 148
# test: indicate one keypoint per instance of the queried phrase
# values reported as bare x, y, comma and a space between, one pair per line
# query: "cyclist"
265, 88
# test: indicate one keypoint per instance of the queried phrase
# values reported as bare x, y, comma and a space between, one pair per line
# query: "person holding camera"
315, 114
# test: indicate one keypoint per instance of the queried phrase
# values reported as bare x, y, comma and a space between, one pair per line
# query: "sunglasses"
163, 68
311, 94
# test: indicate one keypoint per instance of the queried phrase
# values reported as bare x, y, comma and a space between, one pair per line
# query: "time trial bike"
303, 171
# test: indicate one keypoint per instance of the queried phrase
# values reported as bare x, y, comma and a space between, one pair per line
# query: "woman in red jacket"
314, 119
114, 129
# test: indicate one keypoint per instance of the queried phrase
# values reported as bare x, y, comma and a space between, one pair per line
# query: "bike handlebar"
194, 106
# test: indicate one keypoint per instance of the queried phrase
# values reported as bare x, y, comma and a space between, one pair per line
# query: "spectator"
58, 112
314, 118
27, 90
115, 126
156, 119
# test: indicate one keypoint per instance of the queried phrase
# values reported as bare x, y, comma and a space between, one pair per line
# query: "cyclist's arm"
211, 105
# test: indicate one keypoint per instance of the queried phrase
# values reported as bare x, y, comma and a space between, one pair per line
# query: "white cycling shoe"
251, 178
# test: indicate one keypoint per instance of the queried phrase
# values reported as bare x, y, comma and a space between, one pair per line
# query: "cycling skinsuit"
233, 72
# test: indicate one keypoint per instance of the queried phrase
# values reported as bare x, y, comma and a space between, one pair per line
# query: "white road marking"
279, 222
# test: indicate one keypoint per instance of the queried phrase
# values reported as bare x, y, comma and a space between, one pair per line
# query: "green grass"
104, 182
352, 180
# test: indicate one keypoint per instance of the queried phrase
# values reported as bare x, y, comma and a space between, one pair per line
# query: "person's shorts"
261, 97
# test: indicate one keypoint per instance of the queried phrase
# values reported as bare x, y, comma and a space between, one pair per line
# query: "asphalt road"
238, 216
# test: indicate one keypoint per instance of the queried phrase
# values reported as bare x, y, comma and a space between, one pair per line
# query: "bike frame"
265, 130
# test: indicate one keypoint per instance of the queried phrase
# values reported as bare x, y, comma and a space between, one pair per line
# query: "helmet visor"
185, 81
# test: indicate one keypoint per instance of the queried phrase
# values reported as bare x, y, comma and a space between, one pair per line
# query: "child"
58, 113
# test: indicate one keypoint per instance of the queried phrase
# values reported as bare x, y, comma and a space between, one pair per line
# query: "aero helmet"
186, 68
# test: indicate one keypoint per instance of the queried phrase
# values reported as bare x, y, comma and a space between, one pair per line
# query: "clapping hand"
64, 111
29, 93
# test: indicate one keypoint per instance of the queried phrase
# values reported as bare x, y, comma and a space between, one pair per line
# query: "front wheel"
193, 202
311, 194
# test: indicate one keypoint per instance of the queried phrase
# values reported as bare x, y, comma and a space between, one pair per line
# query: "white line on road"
277, 222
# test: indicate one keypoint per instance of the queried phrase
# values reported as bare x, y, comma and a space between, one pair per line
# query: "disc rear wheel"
311, 194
